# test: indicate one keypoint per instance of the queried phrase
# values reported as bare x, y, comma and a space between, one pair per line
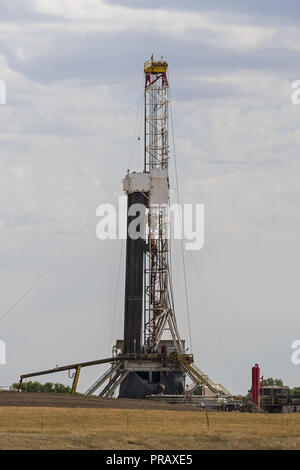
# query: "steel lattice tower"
158, 309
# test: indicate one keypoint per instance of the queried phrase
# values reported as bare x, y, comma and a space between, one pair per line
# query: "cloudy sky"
73, 71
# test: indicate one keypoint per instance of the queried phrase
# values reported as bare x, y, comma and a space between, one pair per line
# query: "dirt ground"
110, 425
80, 401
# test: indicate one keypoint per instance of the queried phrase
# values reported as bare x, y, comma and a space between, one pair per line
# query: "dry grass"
86, 428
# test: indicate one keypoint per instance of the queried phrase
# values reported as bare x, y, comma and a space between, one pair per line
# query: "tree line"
48, 387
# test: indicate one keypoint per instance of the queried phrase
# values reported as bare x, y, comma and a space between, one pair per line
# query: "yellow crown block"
155, 66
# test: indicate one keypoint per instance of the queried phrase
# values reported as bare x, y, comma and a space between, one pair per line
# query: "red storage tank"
256, 384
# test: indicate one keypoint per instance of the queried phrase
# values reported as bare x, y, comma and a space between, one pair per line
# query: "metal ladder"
198, 377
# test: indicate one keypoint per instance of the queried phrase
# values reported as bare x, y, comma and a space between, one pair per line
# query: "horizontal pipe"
72, 366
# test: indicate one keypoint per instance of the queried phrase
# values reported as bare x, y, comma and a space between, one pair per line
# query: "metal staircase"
199, 378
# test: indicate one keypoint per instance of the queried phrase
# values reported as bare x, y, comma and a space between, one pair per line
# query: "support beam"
118, 382
70, 367
110, 383
75, 381
101, 380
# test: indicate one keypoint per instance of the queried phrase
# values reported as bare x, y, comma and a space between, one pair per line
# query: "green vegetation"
271, 382
48, 387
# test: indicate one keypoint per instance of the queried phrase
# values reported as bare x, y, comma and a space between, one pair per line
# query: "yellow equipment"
155, 66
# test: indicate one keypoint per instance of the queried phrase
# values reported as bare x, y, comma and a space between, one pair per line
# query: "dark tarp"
134, 386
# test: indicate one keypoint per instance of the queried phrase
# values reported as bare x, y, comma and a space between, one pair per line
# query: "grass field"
86, 428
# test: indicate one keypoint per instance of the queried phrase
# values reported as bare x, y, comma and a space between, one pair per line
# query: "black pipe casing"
134, 285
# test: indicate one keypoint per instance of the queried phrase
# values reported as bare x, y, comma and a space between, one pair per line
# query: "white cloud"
92, 15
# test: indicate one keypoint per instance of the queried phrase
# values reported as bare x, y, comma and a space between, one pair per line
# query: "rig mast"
158, 308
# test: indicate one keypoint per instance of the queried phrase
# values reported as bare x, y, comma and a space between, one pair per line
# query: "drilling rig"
149, 362
151, 358
149, 310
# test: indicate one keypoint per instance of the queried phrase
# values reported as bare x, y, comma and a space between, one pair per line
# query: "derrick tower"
147, 291
145, 362
149, 309
158, 306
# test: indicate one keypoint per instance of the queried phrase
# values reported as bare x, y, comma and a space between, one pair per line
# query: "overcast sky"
74, 76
